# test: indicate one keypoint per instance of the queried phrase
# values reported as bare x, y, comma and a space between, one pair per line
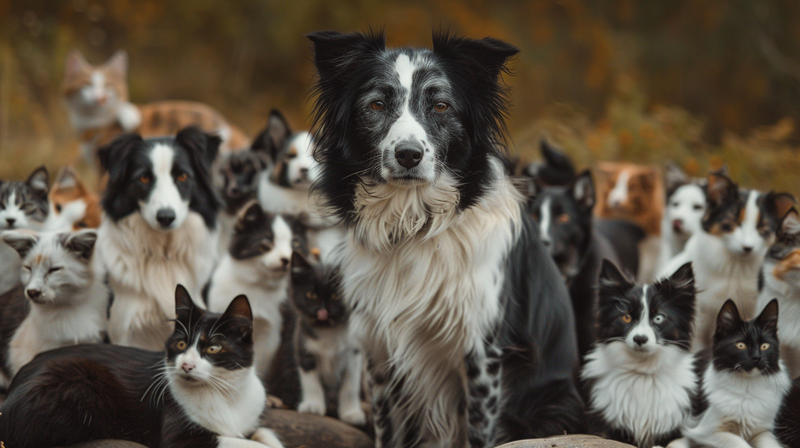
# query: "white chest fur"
426, 280
144, 266
648, 396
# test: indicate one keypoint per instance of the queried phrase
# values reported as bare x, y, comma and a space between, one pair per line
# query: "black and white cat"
23, 205
60, 301
780, 278
327, 350
202, 392
743, 385
640, 376
257, 265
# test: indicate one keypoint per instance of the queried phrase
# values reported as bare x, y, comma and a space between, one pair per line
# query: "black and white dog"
467, 324
158, 229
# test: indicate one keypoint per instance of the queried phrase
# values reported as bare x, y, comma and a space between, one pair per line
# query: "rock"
108, 444
567, 442
310, 431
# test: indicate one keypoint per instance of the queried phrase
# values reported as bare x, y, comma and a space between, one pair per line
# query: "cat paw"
354, 416
311, 407
274, 402
267, 437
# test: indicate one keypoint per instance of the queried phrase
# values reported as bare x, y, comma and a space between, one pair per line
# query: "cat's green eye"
214, 349
764, 347
741, 345
311, 295
181, 345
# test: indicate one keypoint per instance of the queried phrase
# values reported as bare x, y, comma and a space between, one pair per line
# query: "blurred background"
700, 82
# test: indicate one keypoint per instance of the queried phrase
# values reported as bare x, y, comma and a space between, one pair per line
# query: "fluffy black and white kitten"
327, 351
743, 385
202, 392
640, 376
60, 301
23, 205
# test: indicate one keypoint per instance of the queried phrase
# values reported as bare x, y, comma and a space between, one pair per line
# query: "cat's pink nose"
187, 367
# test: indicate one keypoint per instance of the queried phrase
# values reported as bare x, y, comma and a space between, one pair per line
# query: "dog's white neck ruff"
425, 279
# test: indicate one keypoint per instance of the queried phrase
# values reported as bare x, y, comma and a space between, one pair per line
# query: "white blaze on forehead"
165, 193
405, 71
643, 327
544, 220
619, 194
749, 226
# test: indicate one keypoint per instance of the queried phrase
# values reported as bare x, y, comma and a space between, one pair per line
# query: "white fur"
231, 409
440, 273
646, 392
742, 409
619, 194
687, 205
263, 280
144, 266
129, 116
544, 222
339, 365
13, 210
165, 194
301, 168
787, 291
723, 270
9, 261
76, 302
71, 212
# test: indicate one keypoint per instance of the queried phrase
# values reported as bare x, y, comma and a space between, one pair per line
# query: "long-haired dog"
468, 326
158, 229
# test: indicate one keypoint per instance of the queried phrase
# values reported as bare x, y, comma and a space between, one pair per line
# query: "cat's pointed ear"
728, 319
768, 319
557, 167
612, 280
250, 216
237, 320
81, 243
22, 242
790, 224
67, 179
582, 191
674, 177
299, 263
39, 181
76, 64
238, 308
277, 132
118, 63
184, 306
721, 189
681, 286
777, 205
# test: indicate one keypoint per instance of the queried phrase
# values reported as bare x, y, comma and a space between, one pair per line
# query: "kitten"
640, 376
257, 265
237, 177
727, 253
202, 392
780, 278
23, 205
61, 300
97, 100
73, 206
743, 385
327, 352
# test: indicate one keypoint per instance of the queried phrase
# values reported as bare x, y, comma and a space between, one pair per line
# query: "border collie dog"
158, 229
684, 208
467, 324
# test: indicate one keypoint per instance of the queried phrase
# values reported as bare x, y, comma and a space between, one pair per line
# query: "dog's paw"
354, 416
267, 437
311, 407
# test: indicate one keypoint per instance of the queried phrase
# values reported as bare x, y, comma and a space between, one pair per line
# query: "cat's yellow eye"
181, 345
144, 179
627, 318
564, 218
214, 349
741, 345
311, 295
182, 177
764, 347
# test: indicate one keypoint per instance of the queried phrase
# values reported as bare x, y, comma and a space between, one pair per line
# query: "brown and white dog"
634, 193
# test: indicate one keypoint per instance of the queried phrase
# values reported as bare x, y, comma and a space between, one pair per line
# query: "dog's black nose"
408, 155
165, 216
640, 340
11, 221
34, 293
747, 249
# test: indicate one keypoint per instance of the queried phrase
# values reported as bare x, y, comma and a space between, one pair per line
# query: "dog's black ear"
480, 59
200, 143
250, 216
582, 190
557, 168
203, 149
611, 278
336, 55
114, 160
721, 190
776, 205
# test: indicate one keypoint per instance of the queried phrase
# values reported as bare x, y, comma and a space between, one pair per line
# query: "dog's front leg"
483, 391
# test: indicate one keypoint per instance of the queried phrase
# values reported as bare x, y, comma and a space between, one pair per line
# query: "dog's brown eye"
377, 105
182, 177
441, 107
58, 208
627, 318
563, 218
181, 345
144, 179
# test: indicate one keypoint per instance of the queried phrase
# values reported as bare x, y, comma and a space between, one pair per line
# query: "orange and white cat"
99, 109
73, 206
